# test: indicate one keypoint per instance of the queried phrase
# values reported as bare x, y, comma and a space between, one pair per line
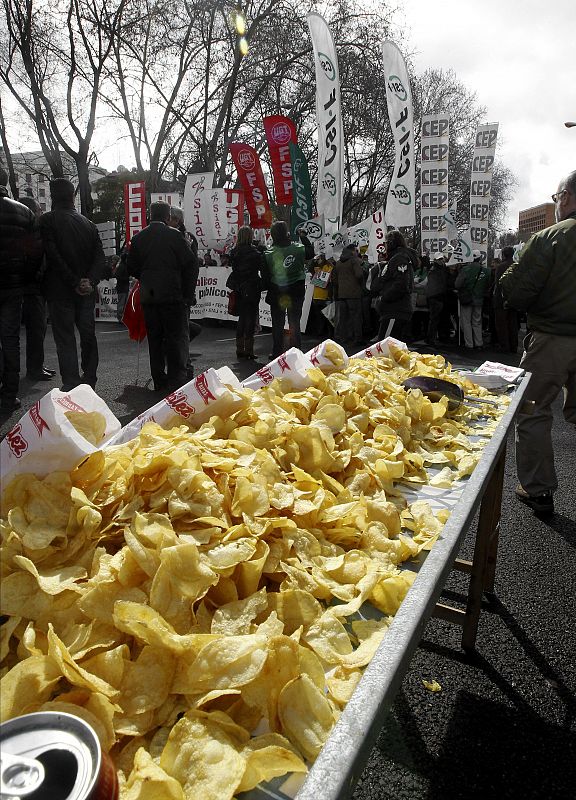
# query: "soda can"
54, 756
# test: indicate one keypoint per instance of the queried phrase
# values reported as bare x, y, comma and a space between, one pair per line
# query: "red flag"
133, 316
135, 208
250, 174
280, 131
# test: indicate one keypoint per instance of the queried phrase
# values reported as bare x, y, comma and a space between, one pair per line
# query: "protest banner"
401, 199
329, 197
451, 222
212, 215
212, 298
301, 211
481, 186
251, 177
280, 134
134, 208
106, 306
434, 149
462, 252
314, 230
172, 198
107, 234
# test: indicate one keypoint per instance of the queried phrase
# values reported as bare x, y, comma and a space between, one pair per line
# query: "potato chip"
225, 663
27, 684
148, 781
306, 715
267, 757
203, 758
89, 424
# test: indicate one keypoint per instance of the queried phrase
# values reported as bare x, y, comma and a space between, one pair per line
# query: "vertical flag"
134, 208
280, 134
301, 190
434, 182
400, 203
449, 218
329, 196
196, 205
481, 186
250, 174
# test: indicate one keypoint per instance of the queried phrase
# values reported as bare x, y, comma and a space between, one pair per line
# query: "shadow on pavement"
563, 526
493, 752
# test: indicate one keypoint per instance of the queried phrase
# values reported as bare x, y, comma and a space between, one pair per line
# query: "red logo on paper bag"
201, 384
178, 402
67, 402
283, 363
379, 348
246, 160
39, 423
314, 355
265, 375
281, 133
16, 442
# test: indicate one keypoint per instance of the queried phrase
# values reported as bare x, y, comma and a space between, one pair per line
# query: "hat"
438, 257
476, 254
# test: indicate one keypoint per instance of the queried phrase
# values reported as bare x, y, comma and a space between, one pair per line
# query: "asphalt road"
504, 724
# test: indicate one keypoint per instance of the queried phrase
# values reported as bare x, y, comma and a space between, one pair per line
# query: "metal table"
344, 755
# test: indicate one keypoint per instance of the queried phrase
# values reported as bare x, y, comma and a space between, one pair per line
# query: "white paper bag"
380, 349
291, 366
45, 440
194, 403
321, 358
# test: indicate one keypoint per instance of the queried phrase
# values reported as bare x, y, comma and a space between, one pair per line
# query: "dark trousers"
435, 308
65, 314
348, 319
168, 340
506, 324
281, 305
400, 328
247, 319
10, 316
34, 319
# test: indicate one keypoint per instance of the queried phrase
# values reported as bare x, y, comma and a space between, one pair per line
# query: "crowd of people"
55, 260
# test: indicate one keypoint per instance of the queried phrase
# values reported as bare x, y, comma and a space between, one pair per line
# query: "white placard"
434, 150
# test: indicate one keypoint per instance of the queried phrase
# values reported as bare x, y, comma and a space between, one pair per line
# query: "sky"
518, 57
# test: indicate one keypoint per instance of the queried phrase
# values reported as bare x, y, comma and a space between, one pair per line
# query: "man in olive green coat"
543, 284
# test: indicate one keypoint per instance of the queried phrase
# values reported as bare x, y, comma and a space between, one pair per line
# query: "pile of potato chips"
196, 596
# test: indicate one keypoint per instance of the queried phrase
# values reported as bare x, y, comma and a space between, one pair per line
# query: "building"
535, 219
34, 175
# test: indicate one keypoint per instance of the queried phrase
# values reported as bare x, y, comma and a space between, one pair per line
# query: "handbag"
233, 303
465, 295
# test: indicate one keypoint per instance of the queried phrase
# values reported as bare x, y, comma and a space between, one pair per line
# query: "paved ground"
503, 725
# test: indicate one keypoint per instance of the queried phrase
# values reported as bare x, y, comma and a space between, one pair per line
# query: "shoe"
8, 406
44, 375
539, 503
251, 357
49, 371
67, 387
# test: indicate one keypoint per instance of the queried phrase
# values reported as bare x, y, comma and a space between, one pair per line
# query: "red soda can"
54, 756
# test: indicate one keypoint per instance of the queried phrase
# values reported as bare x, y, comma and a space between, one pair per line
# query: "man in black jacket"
167, 270
74, 266
16, 223
395, 285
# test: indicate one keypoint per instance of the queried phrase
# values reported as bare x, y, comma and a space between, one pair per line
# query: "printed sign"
481, 186
434, 150
251, 177
135, 208
280, 134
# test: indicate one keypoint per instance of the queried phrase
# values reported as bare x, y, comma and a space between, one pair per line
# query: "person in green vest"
285, 277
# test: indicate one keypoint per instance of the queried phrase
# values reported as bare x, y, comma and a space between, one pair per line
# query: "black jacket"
247, 270
73, 251
17, 268
164, 264
396, 284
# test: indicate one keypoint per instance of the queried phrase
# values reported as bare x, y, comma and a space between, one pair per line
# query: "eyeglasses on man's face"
557, 195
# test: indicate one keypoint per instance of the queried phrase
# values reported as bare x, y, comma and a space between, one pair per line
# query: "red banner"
280, 131
135, 208
247, 163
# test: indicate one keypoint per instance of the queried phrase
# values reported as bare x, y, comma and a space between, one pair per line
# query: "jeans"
281, 305
168, 340
10, 315
34, 318
66, 313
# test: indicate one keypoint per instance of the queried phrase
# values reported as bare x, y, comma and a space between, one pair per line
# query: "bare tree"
53, 66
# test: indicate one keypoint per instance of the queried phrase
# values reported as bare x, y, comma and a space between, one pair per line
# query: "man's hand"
84, 287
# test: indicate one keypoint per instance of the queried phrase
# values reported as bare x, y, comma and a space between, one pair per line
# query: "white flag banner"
481, 186
434, 150
451, 223
329, 195
197, 216
314, 230
401, 202
462, 252
371, 233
